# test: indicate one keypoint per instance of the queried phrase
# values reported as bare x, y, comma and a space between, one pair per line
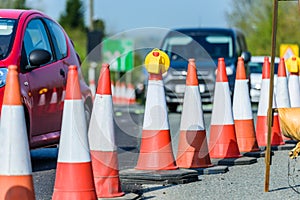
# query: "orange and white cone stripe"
262, 112
15, 166
156, 148
102, 140
74, 156
294, 90
222, 141
282, 90
242, 111
192, 148
117, 93
42, 93
53, 101
130, 94
292, 65
123, 93
113, 92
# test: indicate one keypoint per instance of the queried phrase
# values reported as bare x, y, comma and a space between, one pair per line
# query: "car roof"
16, 13
260, 59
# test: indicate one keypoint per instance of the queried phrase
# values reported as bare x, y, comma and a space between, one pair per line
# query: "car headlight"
229, 71
3, 73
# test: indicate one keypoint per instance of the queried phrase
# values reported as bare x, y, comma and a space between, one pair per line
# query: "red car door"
44, 84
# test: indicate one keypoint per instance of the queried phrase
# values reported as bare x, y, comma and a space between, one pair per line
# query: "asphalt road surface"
240, 182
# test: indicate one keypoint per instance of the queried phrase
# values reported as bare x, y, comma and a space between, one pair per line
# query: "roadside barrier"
101, 136
15, 165
192, 148
261, 122
292, 65
242, 112
222, 141
74, 175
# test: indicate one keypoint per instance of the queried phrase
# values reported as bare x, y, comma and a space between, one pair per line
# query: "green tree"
99, 25
73, 17
19, 4
254, 18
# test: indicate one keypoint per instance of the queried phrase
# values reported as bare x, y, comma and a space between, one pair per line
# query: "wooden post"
270, 109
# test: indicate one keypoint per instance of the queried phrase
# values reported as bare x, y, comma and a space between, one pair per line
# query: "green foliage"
99, 25
254, 17
73, 17
18, 4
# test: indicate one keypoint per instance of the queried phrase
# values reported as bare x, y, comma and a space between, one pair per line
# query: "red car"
43, 52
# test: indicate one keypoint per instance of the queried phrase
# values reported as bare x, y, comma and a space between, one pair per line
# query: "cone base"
156, 151
193, 150
106, 174
17, 187
262, 131
223, 143
245, 135
74, 181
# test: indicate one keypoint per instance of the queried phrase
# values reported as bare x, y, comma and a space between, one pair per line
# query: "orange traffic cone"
15, 166
223, 142
131, 98
156, 148
74, 175
123, 94
242, 111
117, 93
262, 111
293, 82
113, 92
282, 90
102, 140
192, 148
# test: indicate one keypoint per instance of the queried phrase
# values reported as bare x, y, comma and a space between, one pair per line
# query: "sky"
124, 15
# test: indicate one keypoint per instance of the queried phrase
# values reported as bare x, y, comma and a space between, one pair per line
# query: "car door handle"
62, 73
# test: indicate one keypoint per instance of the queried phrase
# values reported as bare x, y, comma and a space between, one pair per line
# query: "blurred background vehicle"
43, 52
205, 45
255, 67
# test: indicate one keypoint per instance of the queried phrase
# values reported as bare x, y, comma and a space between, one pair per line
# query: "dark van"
205, 45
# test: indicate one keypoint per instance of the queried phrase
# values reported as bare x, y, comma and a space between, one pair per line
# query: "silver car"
205, 45
255, 66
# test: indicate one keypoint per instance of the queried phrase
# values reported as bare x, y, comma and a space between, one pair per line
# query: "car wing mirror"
246, 55
37, 58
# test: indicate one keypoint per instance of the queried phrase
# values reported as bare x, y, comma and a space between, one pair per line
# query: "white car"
255, 69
